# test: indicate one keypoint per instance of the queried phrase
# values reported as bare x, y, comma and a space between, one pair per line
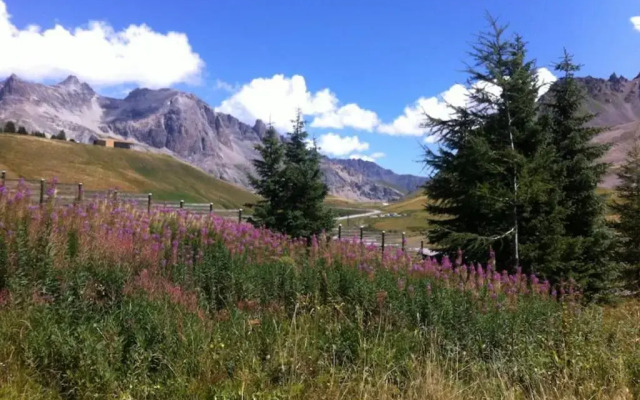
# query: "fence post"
382, 247
80, 192
115, 195
339, 231
41, 191
403, 241
181, 204
4, 178
239, 215
422, 248
149, 196
210, 208
361, 232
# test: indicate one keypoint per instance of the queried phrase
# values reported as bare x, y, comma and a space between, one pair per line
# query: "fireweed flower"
166, 238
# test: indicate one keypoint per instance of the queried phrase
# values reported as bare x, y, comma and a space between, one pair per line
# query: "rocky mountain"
179, 124
616, 105
369, 179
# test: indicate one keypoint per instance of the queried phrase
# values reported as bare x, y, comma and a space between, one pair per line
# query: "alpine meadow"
516, 267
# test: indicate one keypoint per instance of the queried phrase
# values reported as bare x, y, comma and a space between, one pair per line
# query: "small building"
119, 144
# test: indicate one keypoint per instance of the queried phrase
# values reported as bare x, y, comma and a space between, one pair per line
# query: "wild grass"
101, 168
106, 301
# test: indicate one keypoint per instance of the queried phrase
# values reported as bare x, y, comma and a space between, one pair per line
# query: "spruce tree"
268, 184
290, 183
22, 131
304, 188
627, 207
10, 127
60, 136
587, 243
490, 184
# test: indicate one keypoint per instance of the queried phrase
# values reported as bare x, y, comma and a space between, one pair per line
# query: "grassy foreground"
106, 168
106, 301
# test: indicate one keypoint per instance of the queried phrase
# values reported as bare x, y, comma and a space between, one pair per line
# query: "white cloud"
335, 145
276, 99
225, 86
437, 107
545, 80
372, 157
362, 157
98, 54
409, 123
636, 22
350, 115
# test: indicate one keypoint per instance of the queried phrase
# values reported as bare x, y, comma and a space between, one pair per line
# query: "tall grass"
106, 301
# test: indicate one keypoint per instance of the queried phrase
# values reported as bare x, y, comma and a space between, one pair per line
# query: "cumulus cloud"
409, 123
276, 99
372, 157
350, 115
335, 145
545, 80
636, 22
98, 54
441, 106
225, 86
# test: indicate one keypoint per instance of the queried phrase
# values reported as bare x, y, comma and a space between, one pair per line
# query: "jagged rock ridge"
176, 123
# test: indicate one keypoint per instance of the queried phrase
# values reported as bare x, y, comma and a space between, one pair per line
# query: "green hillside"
105, 168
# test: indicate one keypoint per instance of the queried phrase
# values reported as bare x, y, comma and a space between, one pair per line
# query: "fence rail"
382, 239
63, 194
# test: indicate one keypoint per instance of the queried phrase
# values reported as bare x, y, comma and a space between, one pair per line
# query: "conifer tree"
10, 127
587, 244
290, 182
627, 206
490, 184
269, 183
304, 188
60, 136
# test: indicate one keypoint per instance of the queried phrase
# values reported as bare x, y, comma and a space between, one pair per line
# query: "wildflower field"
105, 300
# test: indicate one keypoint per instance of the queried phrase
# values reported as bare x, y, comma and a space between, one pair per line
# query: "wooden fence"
382, 239
40, 191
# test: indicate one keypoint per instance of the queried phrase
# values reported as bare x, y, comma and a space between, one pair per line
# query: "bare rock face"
179, 124
615, 102
70, 105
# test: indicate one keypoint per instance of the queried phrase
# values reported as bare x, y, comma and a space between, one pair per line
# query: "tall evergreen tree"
269, 211
290, 182
10, 127
588, 243
304, 187
490, 184
60, 136
578, 156
627, 206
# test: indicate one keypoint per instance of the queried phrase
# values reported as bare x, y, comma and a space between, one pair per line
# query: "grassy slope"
413, 223
105, 168
415, 220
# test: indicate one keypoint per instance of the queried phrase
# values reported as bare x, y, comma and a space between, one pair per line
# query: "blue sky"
353, 66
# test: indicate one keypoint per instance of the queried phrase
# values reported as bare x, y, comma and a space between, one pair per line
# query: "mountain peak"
74, 84
615, 78
260, 128
12, 84
71, 80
